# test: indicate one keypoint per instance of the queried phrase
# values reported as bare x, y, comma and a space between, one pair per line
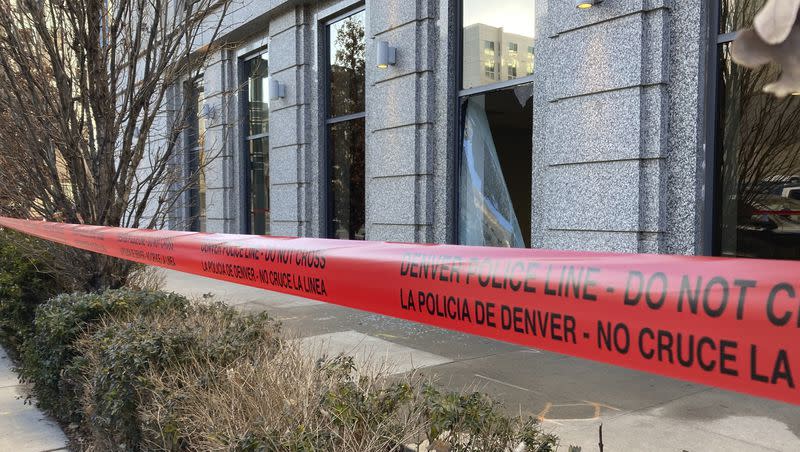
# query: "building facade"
528, 123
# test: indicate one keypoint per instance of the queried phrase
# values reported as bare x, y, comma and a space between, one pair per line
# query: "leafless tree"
759, 125
89, 132
774, 38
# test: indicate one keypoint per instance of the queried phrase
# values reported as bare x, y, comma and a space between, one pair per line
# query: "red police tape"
729, 323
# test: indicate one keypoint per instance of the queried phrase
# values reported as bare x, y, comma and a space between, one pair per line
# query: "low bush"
23, 286
473, 422
118, 359
50, 349
284, 399
138, 371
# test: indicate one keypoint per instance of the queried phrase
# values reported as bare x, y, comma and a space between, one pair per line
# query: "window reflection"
496, 163
347, 65
257, 143
258, 150
346, 84
512, 70
347, 180
257, 70
738, 14
195, 155
492, 36
759, 139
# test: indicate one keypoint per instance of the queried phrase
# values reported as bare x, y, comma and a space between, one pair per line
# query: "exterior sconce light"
586, 4
277, 90
386, 55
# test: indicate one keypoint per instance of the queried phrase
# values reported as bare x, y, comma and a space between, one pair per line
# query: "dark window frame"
326, 119
461, 94
711, 238
244, 113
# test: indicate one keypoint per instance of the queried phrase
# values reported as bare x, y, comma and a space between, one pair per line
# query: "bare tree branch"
83, 108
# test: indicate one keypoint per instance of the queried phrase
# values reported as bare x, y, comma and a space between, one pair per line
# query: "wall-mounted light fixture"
277, 90
386, 55
586, 4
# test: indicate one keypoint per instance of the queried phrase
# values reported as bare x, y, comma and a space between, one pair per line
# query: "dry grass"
202, 380
146, 278
276, 400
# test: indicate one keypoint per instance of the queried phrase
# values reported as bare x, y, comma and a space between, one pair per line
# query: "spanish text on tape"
729, 323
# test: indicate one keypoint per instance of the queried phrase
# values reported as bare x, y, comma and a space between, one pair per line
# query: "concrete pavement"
23, 428
639, 412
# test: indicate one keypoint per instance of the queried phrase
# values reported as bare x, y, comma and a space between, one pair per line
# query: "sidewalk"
572, 397
23, 428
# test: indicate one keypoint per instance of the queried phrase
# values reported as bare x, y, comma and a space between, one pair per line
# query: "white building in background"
492, 55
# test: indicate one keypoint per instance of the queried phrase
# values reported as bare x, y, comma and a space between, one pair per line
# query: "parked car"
791, 193
771, 229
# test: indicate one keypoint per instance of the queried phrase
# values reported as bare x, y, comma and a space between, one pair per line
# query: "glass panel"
489, 70
760, 147
738, 14
201, 184
257, 70
346, 72
510, 24
259, 185
529, 61
496, 164
512, 70
347, 180
196, 158
201, 157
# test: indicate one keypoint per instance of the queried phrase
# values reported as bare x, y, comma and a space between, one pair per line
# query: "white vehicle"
791, 193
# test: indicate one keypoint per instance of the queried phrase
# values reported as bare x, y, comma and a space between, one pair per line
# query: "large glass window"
757, 154
495, 173
195, 155
509, 23
256, 143
496, 113
345, 135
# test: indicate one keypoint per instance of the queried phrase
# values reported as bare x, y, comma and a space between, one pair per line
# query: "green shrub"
23, 286
151, 371
49, 350
117, 359
473, 422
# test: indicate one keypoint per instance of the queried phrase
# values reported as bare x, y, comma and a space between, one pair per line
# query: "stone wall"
618, 108
609, 175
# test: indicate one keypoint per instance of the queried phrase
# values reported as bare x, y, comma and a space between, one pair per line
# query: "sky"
516, 16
